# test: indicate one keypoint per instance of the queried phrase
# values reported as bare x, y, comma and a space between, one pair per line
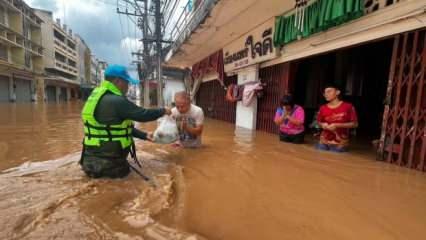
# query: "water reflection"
243, 139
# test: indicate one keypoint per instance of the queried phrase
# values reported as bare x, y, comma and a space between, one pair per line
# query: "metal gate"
277, 79
403, 139
23, 90
51, 93
4, 89
63, 94
211, 98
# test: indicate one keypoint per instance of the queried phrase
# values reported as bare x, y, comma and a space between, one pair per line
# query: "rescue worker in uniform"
108, 126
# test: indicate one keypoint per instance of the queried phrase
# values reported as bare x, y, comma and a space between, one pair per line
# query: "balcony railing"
37, 49
65, 67
64, 48
189, 19
26, 10
11, 5
11, 37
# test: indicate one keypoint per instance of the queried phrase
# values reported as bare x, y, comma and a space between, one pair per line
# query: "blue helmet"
120, 71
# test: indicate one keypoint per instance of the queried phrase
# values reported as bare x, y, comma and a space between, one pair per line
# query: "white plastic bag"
167, 131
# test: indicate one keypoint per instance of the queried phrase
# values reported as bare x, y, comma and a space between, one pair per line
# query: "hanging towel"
250, 91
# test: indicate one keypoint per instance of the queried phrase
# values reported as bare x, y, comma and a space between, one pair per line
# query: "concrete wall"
47, 41
36, 36
83, 51
15, 22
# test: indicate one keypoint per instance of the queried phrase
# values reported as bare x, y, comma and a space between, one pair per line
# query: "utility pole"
159, 38
142, 63
146, 100
149, 61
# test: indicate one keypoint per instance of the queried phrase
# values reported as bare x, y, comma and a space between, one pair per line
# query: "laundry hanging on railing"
252, 91
234, 93
310, 17
246, 92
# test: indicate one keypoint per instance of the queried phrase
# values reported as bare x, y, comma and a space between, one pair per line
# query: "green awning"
318, 16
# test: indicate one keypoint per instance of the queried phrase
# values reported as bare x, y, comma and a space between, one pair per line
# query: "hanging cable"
130, 47
121, 29
109, 3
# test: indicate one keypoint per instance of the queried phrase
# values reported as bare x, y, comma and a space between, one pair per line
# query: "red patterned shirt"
344, 113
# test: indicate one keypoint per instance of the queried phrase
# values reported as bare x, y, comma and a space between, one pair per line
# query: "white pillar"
246, 116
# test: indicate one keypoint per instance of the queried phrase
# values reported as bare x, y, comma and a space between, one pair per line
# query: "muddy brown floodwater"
238, 186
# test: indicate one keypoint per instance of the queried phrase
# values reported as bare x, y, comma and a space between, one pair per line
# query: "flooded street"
239, 186
38, 132
47, 196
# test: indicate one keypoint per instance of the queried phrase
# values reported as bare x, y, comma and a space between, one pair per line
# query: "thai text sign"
254, 47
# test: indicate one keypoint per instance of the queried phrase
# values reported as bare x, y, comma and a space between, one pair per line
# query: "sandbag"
167, 131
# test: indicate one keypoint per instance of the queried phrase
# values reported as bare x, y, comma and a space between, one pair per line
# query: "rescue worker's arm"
139, 134
131, 111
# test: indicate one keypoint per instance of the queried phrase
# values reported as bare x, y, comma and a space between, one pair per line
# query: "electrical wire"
128, 38
136, 39
121, 28
109, 3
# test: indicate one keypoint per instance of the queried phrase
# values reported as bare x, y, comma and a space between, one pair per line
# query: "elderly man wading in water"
108, 126
189, 119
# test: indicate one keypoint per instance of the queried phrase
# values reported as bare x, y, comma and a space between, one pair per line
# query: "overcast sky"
110, 36
98, 23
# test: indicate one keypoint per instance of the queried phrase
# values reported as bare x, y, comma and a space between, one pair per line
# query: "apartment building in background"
61, 59
21, 52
